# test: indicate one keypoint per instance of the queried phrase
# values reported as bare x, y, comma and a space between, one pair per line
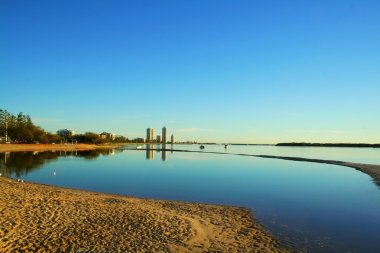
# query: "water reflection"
20, 164
164, 157
150, 148
149, 151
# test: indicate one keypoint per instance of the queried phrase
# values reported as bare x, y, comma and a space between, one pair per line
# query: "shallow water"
316, 207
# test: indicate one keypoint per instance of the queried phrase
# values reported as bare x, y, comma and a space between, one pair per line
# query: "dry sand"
40, 218
53, 147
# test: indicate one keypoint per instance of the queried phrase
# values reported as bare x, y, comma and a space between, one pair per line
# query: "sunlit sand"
40, 218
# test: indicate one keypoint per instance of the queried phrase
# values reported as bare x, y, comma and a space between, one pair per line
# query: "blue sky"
222, 71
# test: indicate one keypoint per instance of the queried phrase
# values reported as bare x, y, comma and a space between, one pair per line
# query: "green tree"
89, 137
3, 118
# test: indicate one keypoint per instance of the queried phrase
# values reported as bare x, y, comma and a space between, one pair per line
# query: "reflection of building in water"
164, 157
149, 151
111, 151
150, 148
172, 139
164, 135
149, 135
68, 153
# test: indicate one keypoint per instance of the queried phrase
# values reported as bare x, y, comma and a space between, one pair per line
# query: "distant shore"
55, 147
44, 218
338, 145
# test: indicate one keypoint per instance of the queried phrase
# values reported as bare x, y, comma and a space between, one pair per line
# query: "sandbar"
372, 170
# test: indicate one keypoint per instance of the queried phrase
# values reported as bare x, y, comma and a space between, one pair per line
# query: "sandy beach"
41, 218
54, 147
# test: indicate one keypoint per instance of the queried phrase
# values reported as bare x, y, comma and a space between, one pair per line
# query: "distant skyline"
210, 71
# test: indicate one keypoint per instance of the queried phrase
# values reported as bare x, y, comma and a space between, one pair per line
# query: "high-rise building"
164, 135
172, 139
149, 135
158, 139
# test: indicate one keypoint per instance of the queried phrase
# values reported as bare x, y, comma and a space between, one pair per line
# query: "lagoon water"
309, 206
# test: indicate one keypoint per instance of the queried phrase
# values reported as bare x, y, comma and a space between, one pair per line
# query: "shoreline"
209, 227
41, 217
55, 147
373, 170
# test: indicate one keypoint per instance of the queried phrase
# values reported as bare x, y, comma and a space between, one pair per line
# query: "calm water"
316, 207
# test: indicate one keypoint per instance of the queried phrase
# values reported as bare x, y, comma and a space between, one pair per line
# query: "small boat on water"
202, 147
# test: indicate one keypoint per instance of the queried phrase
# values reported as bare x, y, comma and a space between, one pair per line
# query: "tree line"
21, 129
94, 138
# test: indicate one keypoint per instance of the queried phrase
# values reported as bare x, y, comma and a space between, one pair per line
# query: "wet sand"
41, 218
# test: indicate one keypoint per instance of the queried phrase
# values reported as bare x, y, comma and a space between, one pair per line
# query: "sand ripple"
39, 218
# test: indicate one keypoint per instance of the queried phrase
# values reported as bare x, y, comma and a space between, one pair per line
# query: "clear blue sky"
234, 71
